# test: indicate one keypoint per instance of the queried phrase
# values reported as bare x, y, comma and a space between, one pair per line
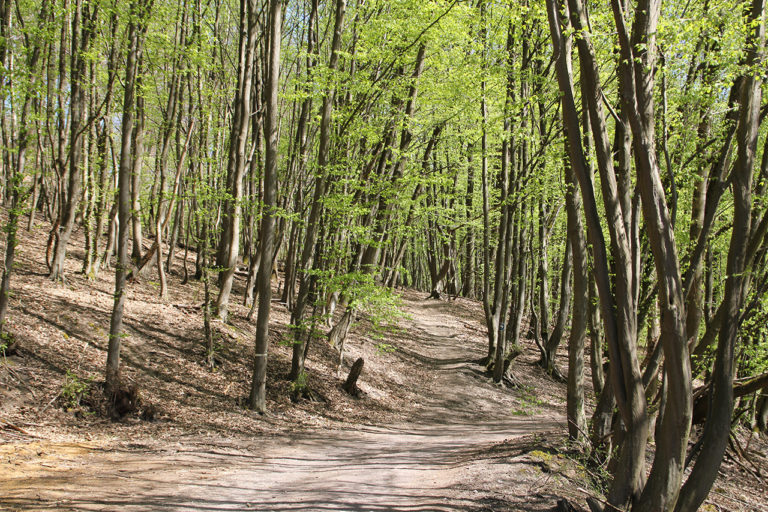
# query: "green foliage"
75, 389
300, 385
754, 349
529, 402
381, 305
384, 348
6, 340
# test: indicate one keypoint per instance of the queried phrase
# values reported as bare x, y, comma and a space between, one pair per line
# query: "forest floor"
430, 431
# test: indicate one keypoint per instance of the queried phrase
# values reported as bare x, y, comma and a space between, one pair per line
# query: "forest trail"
441, 458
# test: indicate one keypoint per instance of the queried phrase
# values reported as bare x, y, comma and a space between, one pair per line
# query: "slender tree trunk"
137, 165
139, 12
577, 422
554, 339
257, 399
468, 281
487, 305
313, 223
83, 27
229, 246
542, 278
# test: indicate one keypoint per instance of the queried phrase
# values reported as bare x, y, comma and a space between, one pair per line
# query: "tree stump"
123, 401
350, 386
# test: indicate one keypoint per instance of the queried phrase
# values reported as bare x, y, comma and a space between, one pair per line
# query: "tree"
15, 181
139, 11
83, 28
257, 398
718, 426
229, 245
308, 283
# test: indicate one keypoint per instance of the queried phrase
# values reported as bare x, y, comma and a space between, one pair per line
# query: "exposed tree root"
307, 393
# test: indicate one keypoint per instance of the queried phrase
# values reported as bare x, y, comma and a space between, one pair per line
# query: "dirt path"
437, 460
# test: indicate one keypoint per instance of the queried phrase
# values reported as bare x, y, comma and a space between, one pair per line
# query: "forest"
592, 175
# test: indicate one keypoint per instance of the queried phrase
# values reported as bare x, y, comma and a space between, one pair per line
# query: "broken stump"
350, 386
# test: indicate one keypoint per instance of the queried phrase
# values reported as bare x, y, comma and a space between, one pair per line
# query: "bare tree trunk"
229, 246
553, 341
83, 28
468, 289
139, 12
577, 421
310, 235
137, 165
542, 279
257, 399
487, 305
210, 349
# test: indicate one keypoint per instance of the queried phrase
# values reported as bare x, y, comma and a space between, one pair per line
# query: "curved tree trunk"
636, 69
718, 425
618, 310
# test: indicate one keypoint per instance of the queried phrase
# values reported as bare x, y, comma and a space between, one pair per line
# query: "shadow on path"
411, 467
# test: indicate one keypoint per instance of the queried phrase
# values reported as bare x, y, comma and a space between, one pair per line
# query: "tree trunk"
350, 385
566, 292
577, 421
487, 304
229, 246
762, 413
468, 288
83, 29
636, 70
718, 425
618, 311
257, 399
137, 166
313, 223
136, 29
498, 295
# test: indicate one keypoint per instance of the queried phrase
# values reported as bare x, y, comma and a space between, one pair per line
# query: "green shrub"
74, 390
